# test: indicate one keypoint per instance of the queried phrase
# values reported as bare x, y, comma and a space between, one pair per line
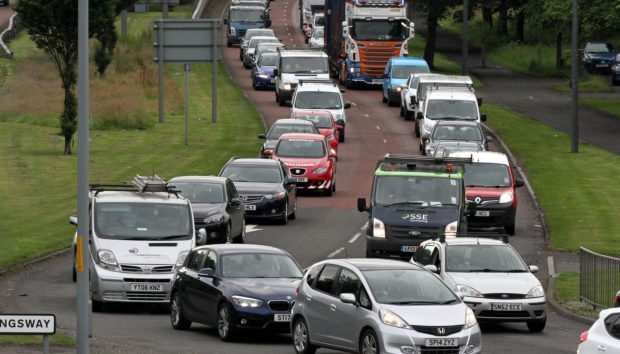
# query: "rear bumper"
499, 217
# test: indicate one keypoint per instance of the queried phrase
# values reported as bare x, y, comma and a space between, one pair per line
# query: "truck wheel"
281, 100
407, 116
417, 129
228, 44
510, 229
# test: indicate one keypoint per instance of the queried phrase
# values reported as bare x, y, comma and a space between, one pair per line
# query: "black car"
216, 206
265, 188
598, 57
283, 126
235, 288
615, 71
451, 131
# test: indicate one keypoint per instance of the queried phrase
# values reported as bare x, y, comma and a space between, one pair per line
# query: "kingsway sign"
27, 324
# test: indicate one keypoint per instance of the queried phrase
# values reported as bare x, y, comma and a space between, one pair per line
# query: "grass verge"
58, 339
577, 192
566, 293
587, 83
608, 105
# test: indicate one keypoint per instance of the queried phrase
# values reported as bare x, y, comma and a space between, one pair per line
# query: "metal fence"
8, 34
599, 278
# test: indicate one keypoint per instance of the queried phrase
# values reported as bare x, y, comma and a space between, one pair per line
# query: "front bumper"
394, 95
500, 216
392, 248
265, 208
110, 286
263, 82
314, 182
258, 319
397, 341
531, 309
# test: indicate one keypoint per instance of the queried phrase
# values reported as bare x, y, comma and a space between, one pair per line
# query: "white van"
298, 64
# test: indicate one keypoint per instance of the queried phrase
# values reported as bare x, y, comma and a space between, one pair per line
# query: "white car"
316, 38
603, 336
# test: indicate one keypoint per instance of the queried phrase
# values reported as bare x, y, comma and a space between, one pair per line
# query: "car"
374, 306
265, 187
141, 232
617, 299
490, 182
236, 289
262, 72
265, 32
491, 277
455, 131
4, 3
316, 21
282, 126
298, 64
324, 121
598, 57
218, 211
322, 95
603, 336
615, 71
242, 18
309, 159
266, 47
397, 70
317, 39
248, 54
449, 148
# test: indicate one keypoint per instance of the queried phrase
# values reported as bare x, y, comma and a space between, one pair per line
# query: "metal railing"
599, 278
8, 34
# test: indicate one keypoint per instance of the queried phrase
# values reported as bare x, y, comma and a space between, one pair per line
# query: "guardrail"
8, 34
599, 278
200, 7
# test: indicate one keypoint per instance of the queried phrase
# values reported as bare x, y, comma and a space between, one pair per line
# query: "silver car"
380, 306
491, 276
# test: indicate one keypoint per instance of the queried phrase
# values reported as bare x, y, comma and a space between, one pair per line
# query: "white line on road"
366, 115
355, 237
378, 127
385, 141
551, 266
353, 104
335, 252
251, 228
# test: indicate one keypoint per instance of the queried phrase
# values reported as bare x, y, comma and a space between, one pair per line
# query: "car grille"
138, 280
484, 201
130, 268
251, 198
134, 296
434, 330
279, 305
375, 58
298, 171
241, 33
504, 296
410, 232
514, 314
439, 350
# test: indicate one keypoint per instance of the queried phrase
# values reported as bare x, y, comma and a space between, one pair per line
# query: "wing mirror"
479, 99
483, 117
533, 269
361, 204
73, 220
347, 105
201, 236
275, 72
235, 201
432, 268
348, 298
489, 138
206, 273
261, 136
519, 182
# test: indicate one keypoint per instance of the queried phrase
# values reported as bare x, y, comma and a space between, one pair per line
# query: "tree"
435, 10
53, 26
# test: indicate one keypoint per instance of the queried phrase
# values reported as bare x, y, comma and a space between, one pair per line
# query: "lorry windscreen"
421, 191
296, 65
378, 30
452, 109
246, 15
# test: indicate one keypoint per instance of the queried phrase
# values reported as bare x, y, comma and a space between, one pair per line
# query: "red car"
309, 159
324, 121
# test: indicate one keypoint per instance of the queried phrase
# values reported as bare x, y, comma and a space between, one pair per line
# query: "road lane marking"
335, 252
355, 237
385, 141
366, 115
353, 104
378, 127
551, 266
251, 228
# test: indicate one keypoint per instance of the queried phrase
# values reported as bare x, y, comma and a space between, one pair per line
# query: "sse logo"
416, 217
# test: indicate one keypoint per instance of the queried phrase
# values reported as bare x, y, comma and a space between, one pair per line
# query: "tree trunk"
487, 14
431, 37
559, 62
502, 24
68, 123
520, 26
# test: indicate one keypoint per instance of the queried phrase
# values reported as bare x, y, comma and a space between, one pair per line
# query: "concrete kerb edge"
33, 261
560, 309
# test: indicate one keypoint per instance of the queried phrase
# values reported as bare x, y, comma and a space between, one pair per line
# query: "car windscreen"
490, 175
304, 148
483, 258
457, 132
297, 65
199, 192
267, 60
320, 120
319, 21
259, 265
246, 15
318, 33
279, 129
378, 30
598, 48
454, 109
318, 100
403, 71
408, 287
249, 173
142, 221
255, 41
421, 191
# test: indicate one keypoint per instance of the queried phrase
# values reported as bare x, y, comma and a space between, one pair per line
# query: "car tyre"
284, 218
402, 111
408, 116
228, 234
294, 213
241, 237
177, 319
301, 338
97, 306
277, 96
224, 324
229, 44
369, 344
536, 326
510, 229
417, 129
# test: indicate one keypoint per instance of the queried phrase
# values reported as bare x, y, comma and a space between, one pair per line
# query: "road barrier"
599, 278
8, 34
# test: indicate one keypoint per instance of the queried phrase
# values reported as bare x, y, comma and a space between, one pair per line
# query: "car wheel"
177, 319
229, 44
224, 325
510, 229
294, 213
240, 55
228, 234
241, 237
402, 111
369, 343
407, 116
330, 191
97, 306
417, 129
284, 218
301, 338
421, 146
341, 136
536, 326
277, 96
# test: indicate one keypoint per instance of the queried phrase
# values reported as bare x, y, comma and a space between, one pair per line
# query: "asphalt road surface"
325, 227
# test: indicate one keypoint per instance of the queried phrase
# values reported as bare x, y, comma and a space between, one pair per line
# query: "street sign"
186, 41
27, 324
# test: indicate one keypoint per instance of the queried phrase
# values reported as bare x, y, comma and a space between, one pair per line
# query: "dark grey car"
456, 132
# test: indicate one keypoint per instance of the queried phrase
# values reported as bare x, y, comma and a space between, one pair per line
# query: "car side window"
364, 299
197, 260
327, 279
211, 261
612, 324
348, 282
229, 192
312, 273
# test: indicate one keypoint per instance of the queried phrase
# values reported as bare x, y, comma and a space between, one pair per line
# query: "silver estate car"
491, 276
376, 306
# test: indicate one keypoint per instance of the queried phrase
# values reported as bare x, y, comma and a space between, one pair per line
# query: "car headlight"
262, 76
470, 318
275, 195
213, 219
398, 89
243, 301
536, 291
320, 170
506, 197
287, 87
354, 70
378, 228
468, 291
451, 228
107, 260
181, 258
391, 319
233, 31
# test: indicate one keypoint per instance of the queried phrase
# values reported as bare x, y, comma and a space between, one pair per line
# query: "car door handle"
601, 348
332, 307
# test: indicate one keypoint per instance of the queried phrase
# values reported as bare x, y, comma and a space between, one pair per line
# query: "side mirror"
348, 298
225, 21
479, 99
342, 91
290, 181
419, 115
340, 122
73, 220
489, 138
275, 72
361, 204
471, 208
483, 117
235, 201
533, 269
206, 273
403, 86
432, 268
333, 154
201, 236
268, 23
261, 136
426, 139
519, 182
347, 105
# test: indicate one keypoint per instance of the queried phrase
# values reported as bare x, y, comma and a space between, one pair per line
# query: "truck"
362, 35
242, 18
307, 8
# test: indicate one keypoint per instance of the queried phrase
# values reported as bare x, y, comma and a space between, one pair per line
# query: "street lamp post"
575, 80
465, 59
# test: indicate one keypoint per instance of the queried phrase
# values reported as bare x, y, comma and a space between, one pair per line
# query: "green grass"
566, 293
577, 192
587, 83
608, 105
55, 340
39, 183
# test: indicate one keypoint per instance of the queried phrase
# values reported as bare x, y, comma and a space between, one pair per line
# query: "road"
326, 226
5, 14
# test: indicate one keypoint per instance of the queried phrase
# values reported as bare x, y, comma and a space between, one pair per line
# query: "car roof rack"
317, 81
141, 184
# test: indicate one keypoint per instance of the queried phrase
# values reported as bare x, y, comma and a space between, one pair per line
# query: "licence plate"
377, 81
441, 342
147, 287
505, 307
249, 207
282, 317
301, 179
482, 213
408, 248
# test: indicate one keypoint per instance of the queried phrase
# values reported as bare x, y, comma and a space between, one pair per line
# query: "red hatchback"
309, 159
324, 121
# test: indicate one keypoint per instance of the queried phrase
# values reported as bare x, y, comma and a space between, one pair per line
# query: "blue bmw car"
235, 288
262, 72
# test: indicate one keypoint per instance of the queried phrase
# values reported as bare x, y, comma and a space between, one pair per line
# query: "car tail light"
583, 337
297, 291
617, 300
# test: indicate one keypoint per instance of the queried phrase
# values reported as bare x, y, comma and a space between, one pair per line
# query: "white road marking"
353, 104
366, 115
385, 141
378, 127
551, 266
335, 252
355, 237
251, 228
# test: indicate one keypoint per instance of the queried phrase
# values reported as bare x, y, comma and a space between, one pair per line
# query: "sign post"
29, 324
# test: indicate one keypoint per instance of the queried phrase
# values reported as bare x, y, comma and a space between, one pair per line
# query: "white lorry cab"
298, 64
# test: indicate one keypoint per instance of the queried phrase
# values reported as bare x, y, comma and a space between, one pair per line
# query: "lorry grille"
412, 232
374, 57
240, 33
